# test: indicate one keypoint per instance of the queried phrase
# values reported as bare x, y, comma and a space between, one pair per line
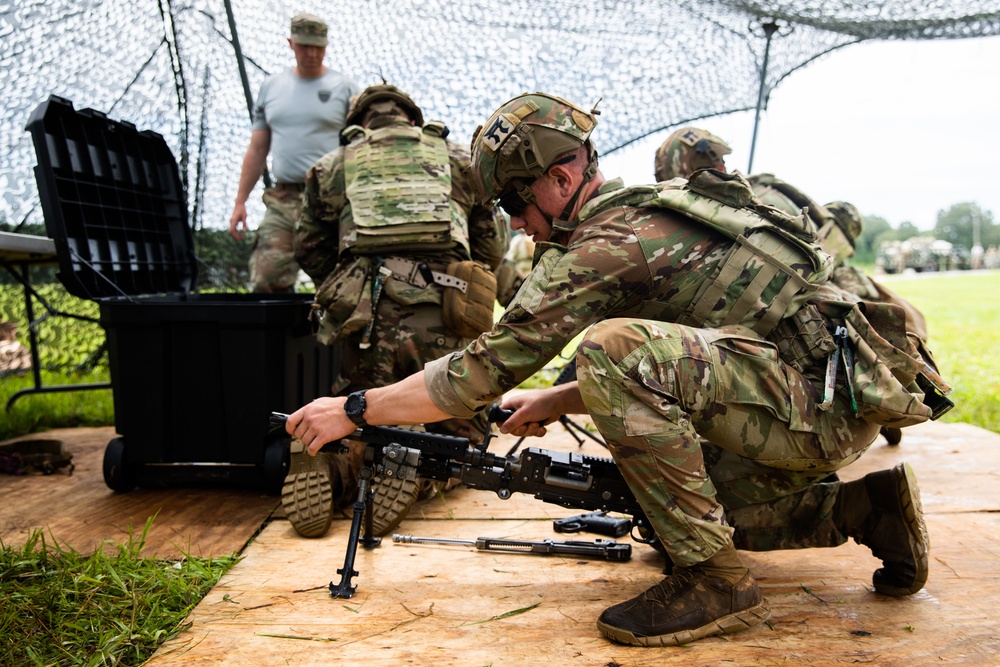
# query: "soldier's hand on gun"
532, 411
320, 422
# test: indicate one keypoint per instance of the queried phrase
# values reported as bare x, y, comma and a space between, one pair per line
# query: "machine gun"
568, 479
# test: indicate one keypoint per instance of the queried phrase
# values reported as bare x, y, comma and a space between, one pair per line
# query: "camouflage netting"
171, 66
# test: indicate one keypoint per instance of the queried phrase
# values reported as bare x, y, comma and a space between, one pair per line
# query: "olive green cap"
308, 29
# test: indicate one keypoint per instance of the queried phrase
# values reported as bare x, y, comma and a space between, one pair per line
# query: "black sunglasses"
516, 200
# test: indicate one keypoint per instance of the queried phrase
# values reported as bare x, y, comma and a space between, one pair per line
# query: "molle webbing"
770, 270
398, 183
743, 302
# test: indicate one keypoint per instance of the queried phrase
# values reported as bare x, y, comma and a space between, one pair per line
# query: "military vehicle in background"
921, 253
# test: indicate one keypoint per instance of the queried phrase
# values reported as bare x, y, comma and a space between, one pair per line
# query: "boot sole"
908, 495
307, 495
391, 502
726, 625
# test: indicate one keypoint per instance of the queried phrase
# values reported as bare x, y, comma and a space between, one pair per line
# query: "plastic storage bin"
194, 376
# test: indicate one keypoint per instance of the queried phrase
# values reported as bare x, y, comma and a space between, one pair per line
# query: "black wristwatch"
356, 406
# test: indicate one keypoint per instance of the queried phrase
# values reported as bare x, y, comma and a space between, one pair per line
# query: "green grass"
963, 315
43, 411
111, 607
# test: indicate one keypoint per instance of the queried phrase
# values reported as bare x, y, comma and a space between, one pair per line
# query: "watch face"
355, 407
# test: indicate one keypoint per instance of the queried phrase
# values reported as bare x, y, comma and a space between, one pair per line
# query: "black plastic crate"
194, 376
113, 201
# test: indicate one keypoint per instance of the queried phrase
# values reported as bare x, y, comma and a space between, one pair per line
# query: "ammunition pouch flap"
469, 312
342, 304
894, 377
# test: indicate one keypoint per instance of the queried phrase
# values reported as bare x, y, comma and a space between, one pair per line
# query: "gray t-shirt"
305, 117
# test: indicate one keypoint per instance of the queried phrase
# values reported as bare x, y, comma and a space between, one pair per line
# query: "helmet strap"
588, 175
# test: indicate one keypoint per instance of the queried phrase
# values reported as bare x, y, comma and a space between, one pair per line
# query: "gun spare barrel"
606, 549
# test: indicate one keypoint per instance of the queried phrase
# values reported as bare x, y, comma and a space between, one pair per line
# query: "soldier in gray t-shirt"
298, 117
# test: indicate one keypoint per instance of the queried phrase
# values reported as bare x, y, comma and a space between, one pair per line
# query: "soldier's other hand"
532, 411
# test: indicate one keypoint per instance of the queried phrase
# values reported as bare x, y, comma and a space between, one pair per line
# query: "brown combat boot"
892, 435
687, 605
882, 511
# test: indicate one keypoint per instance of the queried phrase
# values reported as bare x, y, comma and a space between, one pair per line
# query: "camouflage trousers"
272, 262
403, 340
657, 390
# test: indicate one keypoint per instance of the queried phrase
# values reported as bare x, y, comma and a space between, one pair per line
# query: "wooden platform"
440, 605
80, 511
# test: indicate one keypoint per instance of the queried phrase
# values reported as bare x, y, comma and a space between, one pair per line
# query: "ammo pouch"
895, 382
469, 312
343, 302
803, 340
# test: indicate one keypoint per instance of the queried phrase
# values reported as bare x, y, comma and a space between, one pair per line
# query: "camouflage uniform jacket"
622, 261
318, 232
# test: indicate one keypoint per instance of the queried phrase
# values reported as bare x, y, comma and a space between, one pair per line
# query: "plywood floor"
80, 511
434, 605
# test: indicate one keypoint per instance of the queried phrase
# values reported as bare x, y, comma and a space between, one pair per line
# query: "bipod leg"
517, 445
344, 589
575, 428
368, 540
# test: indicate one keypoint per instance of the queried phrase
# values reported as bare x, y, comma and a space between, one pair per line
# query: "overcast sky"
900, 129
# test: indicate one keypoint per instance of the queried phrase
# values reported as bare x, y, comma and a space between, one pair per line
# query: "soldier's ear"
565, 180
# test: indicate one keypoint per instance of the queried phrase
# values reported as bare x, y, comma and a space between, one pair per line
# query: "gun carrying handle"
498, 415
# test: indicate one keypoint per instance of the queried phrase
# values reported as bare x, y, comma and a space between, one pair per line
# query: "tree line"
955, 225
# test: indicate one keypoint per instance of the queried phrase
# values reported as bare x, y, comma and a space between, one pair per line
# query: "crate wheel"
117, 473
276, 461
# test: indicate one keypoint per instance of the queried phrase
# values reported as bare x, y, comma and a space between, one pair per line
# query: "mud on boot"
686, 606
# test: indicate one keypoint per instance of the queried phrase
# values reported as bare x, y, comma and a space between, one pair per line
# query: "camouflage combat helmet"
523, 138
847, 217
382, 92
688, 150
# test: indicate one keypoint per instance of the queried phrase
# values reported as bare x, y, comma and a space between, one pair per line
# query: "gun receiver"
568, 479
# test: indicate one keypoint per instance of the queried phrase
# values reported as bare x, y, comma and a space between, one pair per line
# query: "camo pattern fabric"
854, 280
272, 264
398, 182
318, 232
403, 341
655, 389
620, 261
687, 150
786, 197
